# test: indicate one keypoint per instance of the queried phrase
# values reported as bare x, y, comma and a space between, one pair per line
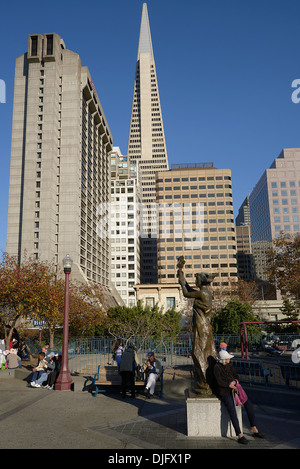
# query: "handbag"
240, 397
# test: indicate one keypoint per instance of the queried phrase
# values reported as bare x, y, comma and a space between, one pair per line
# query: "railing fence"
86, 354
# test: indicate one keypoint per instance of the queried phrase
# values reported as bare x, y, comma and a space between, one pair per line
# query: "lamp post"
64, 379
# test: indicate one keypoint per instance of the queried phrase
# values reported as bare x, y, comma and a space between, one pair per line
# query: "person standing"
118, 350
127, 370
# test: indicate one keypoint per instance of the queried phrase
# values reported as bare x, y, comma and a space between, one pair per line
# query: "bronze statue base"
201, 390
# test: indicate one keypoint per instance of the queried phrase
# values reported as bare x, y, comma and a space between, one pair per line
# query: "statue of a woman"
203, 349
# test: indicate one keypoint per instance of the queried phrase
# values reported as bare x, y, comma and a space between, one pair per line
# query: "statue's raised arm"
186, 289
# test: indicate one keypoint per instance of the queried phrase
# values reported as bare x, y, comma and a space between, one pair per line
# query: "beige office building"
196, 221
60, 165
146, 143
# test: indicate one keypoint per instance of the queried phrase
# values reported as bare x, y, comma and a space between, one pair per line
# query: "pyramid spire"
146, 142
146, 135
145, 42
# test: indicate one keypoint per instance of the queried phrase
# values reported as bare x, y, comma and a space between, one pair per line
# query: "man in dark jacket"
127, 370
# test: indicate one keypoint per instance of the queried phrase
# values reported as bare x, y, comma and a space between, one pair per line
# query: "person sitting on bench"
152, 371
267, 347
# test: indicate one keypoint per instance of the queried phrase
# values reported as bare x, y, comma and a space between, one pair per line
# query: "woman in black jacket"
227, 380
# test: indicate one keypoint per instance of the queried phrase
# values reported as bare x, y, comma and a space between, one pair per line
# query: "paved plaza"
44, 419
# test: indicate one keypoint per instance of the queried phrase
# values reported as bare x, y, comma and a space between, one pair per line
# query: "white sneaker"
35, 385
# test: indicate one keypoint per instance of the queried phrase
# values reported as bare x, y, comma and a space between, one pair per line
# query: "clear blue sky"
225, 70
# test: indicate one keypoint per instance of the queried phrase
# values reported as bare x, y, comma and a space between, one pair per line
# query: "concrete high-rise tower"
146, 143
60, 163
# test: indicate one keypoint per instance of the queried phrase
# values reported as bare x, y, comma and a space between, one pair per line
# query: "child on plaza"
13, 359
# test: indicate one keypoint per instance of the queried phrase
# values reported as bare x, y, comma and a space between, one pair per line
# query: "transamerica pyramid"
147, 144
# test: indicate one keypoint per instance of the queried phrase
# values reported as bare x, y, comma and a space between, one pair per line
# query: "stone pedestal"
208, 417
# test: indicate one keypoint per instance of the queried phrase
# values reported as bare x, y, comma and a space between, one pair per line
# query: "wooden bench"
108, 378
251, 369
290, 372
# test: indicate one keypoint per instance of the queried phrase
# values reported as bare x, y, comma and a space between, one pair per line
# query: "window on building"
49, 44
34, 43
171, 302
149, 302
